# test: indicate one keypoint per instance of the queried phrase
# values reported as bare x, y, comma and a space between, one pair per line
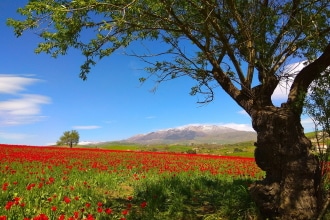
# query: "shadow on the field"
192, 198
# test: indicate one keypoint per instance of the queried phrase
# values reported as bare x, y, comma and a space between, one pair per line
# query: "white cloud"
290, 71
86, 127
20, 120
150, 117
25, 109
28, 104
12, 84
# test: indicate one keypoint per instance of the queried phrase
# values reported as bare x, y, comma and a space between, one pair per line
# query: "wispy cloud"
28, 104
86, 127
21, 108
12, 84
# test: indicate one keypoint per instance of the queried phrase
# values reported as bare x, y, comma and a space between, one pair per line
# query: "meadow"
61, 183
244, 149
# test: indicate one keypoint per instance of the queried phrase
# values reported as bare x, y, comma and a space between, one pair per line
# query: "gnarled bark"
290, 187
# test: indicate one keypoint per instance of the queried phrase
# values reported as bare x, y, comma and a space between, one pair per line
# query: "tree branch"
306, 76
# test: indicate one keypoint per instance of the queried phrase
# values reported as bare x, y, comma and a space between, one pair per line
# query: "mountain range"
194, 134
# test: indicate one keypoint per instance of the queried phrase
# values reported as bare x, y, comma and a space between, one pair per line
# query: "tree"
317, 106
240, 45
69, 138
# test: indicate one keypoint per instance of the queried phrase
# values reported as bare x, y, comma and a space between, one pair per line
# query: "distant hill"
194, 134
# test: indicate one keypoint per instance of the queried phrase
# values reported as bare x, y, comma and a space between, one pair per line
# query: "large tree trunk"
290, 187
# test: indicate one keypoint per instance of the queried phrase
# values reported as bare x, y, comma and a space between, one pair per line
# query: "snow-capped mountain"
90, 142
194, 134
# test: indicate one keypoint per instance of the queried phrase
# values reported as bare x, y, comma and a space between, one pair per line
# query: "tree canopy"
243, 46
238, 45
69, 138
317, 104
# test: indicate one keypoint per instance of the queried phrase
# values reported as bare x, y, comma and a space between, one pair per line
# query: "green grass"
310, 135
244, 149
194, 197
172, 186
197, 197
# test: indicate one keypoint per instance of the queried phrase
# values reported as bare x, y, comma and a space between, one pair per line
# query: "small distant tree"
69, 138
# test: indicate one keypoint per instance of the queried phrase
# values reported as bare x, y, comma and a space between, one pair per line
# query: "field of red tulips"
61, 183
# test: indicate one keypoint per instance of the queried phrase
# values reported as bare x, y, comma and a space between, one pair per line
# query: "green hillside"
238, 149
245, 149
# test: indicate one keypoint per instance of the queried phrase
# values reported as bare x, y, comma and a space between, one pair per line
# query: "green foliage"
213, 42
317, 104
196, 197
172, 186
216, 43
243, 149
69, 138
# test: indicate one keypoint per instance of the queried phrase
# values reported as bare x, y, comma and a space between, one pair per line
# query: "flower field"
60, 183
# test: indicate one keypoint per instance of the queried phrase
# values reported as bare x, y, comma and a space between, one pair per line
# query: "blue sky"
41, 97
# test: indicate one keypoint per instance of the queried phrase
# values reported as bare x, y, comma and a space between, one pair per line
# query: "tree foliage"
243, 46
317, 104
234, 42
69, 138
